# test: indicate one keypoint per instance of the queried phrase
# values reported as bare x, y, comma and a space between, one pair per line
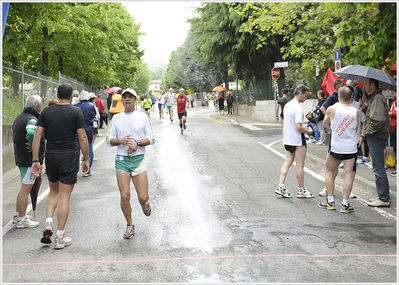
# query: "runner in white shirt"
131, 131
170, 97
161, 103
295, 143
344, 121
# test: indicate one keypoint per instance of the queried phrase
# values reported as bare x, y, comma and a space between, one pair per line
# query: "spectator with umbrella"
24, 128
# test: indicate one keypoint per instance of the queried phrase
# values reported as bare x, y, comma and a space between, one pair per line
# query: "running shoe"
352, 195
304, 194
184, 125
171, 120
61, 242
323, 193
282, 191
27, 223
181, 131
129, 233
15, 218
393, 174
369, 164
47, 233
341, 165
360, 160
346, 209
88, 174
146, 208
327, 206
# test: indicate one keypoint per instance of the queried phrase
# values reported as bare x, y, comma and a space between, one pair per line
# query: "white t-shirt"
293, 113
343, 130
161, 99
171, 98
135, 124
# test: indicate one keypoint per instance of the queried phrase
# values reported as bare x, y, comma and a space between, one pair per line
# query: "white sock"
17, 214
22, 218
60, 233
49, 220
330, 199
345, 202
301, 189
281, 185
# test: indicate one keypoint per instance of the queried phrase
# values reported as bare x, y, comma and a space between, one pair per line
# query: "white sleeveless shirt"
343, 126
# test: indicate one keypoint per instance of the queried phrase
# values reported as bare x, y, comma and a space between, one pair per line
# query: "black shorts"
292, 148
146, 109
181, 115
345, 156
95, 131
62, 166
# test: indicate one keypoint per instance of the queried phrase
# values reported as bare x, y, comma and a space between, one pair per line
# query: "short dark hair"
345, 93
301, 88
375, 82
338, 83
119, 91
285, 90
64, 91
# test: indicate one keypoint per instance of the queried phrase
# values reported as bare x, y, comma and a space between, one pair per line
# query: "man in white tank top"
343, 120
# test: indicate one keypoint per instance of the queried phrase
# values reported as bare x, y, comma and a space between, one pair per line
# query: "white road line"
321, 178
44, 194
251, 127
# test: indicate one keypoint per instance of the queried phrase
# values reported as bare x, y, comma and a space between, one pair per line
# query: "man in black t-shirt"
281, 102
61, 123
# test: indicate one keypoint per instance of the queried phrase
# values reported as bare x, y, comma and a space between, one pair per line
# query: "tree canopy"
86, 41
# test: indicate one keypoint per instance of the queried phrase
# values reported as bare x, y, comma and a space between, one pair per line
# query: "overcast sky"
164, 23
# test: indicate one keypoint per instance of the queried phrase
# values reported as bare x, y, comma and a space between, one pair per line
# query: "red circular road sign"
276, 73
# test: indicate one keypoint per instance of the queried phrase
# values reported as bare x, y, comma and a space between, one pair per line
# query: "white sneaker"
304, 194
320, 143
341, 165
323, 193
15, 218
282, 191
27, 223
352, 195
129, 233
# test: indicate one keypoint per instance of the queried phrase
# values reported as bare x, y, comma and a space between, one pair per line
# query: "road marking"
251, 127
7, 227
321, 178
202, 258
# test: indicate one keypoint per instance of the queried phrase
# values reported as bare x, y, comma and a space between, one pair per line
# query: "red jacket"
392, 116
100, 105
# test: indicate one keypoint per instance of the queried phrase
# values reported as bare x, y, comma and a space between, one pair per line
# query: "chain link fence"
17, 85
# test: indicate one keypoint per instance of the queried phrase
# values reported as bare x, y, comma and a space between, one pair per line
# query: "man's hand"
85, 167
127, 140
36, 169
28, 147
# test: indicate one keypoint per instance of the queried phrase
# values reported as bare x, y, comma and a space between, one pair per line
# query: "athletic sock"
60, 233
330, 199
49, 220
181, 126
345, 202
301, 189
22, 218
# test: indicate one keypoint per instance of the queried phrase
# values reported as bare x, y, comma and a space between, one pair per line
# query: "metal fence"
17, 85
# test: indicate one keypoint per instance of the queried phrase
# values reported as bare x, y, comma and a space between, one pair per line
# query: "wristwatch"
138, 143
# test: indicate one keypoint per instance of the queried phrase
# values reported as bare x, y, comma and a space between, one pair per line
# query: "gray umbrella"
359, 73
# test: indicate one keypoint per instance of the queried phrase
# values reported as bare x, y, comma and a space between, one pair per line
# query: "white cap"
181, 89
131, 91
92, 95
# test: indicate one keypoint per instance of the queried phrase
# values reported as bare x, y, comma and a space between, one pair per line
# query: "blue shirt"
331, 100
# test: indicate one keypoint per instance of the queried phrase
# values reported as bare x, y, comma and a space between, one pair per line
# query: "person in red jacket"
392, 123
101, 109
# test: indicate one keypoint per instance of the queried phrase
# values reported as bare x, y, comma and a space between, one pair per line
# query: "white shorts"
27, 177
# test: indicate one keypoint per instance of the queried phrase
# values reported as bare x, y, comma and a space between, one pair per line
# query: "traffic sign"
337, 65
281, 64
276, 73
337, 54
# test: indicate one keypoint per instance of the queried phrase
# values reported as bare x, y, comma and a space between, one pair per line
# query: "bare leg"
141, 184
300, 155
348, 177
52, 199
331, 173
289, 160
22, 199
123, 179
65, 192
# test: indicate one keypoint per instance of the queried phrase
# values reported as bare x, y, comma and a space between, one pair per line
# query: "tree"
143, 79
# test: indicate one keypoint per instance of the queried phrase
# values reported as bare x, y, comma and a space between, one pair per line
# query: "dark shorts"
95, 131
292, 148
62, 167
146, 109
181, 115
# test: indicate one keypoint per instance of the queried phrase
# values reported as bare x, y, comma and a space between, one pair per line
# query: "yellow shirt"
116, 104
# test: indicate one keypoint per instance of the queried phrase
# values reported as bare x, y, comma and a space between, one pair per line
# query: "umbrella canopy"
34, 192
219, 88
113, 89
360, 73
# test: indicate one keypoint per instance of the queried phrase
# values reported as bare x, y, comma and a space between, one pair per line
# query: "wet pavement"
364, 183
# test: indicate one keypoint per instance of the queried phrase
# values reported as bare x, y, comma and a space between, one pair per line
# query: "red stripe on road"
201, 258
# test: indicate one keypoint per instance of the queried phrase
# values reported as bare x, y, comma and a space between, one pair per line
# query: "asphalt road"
215, 219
